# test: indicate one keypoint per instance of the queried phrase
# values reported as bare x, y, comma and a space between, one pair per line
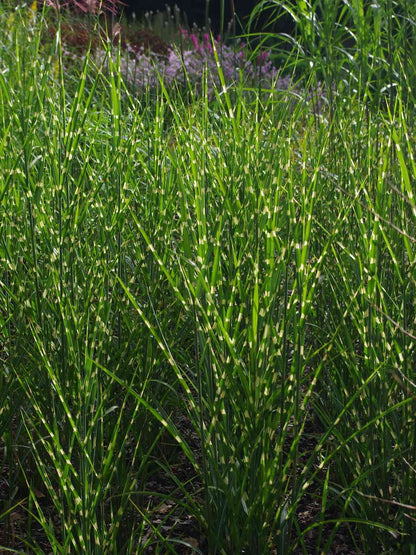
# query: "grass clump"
207, 309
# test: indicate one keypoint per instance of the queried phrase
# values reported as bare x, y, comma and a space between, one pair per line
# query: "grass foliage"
224, 284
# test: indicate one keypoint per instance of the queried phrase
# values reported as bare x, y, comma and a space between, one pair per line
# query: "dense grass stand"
207, 301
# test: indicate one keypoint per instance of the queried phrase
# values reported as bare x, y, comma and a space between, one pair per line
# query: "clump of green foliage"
224, 284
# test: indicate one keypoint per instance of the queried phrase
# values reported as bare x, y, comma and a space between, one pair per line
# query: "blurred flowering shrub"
186, 65
77, 38
93, 7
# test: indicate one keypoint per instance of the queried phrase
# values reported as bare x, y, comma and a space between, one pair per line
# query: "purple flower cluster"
197, 58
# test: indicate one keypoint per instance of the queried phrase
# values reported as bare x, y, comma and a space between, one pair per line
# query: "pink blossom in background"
188, 64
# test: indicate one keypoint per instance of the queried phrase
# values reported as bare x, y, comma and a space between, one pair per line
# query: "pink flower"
195, 42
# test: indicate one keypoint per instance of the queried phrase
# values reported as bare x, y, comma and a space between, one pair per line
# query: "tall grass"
355, 47
224, 285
